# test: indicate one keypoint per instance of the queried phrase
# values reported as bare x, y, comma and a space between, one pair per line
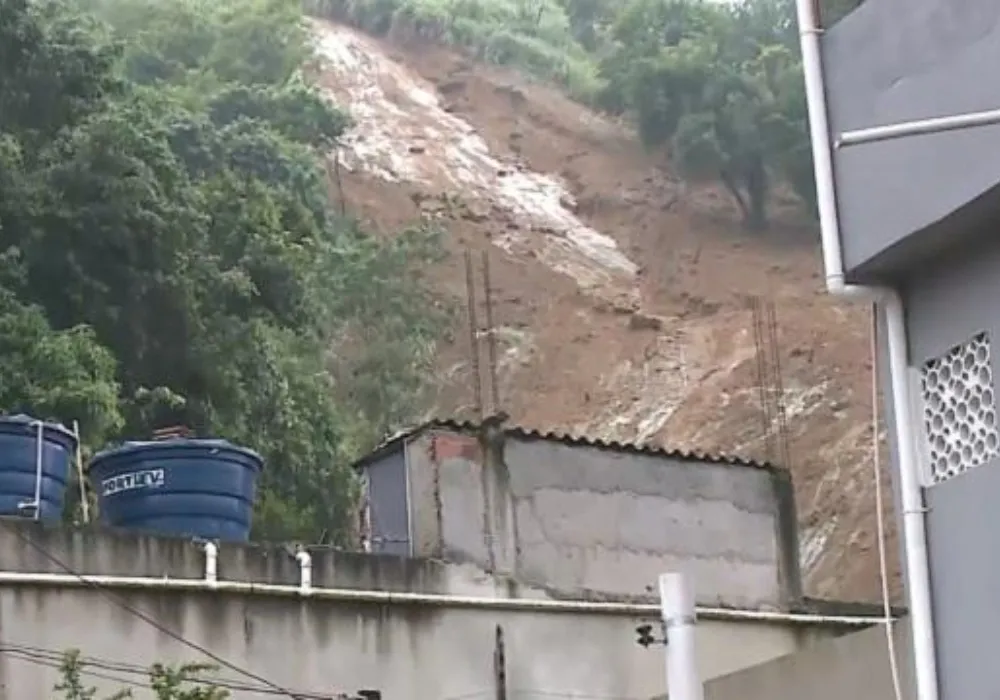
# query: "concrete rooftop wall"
852, 667
581, 518
408, 650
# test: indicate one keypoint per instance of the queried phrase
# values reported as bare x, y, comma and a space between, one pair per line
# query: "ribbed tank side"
20, 440
198, 488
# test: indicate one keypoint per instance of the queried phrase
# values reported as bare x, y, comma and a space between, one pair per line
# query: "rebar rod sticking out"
477, 379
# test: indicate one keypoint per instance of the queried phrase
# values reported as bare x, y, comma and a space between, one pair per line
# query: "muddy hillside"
622, 299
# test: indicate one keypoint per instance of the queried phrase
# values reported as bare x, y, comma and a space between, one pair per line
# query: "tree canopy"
717, 84
169, 255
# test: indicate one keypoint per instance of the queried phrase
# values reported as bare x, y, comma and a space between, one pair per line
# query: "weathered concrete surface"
412, 651
893, 61
946, 305
578, 518
852, 667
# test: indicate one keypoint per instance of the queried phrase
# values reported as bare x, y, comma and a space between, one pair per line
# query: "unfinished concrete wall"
582, 518
855, 666
409, 650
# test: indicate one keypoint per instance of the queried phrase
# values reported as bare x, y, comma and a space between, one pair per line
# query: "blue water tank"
19, 466
184, 487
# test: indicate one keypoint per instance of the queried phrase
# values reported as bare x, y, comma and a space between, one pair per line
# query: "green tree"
589, 20
173, 256
52, 374
535, 36
184, 682
71, 685
719, 84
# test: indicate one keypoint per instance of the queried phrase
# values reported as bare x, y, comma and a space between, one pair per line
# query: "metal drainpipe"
914, 516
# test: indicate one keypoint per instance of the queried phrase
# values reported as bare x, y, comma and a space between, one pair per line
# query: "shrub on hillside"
531, 35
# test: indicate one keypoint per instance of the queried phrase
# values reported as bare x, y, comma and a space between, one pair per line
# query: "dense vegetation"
169, 255
717, 83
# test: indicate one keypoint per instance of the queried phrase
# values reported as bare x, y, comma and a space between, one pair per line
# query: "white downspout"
36, 504
305, 571
680, 625
914, 525
211, 563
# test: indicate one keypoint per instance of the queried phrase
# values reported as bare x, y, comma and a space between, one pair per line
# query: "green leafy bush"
170, 251
721, 86
185, 682
718, 84
535, 36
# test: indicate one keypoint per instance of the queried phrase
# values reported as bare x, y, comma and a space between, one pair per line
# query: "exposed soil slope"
619, 294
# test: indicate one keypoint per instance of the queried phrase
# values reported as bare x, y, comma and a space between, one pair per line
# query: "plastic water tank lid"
139, 445
24, 419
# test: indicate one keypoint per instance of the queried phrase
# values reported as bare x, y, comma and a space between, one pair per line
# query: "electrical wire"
57, 665
883, 567
54, 659
124, 605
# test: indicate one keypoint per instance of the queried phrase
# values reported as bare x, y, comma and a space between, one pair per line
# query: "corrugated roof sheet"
525, 433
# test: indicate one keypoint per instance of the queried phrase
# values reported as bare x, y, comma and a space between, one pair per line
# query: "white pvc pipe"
36, 504
912, 503
434, 599
305, 571
38, 470
911, 496
934, 125
81, 477
211, 563
678, 610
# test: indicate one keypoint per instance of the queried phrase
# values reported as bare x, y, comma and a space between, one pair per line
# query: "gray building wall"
892, 61
946, 305
852, 667
581, 518
408, 650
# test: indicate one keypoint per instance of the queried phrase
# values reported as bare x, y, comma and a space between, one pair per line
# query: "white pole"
677, 607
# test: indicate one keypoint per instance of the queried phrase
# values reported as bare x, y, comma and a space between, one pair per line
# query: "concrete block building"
914, 124
585, 517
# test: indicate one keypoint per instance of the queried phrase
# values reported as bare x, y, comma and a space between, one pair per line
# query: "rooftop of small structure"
520, 432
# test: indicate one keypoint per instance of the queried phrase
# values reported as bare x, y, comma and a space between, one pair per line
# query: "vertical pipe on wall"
678, 610
35, 505
211, 563
408, 492
81, 477
500, 664
911, 495
305, 570
39, 439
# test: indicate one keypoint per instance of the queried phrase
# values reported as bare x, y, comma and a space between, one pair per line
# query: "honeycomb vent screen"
959, 411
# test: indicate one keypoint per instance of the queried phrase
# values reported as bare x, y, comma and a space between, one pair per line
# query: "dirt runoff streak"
393, 110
